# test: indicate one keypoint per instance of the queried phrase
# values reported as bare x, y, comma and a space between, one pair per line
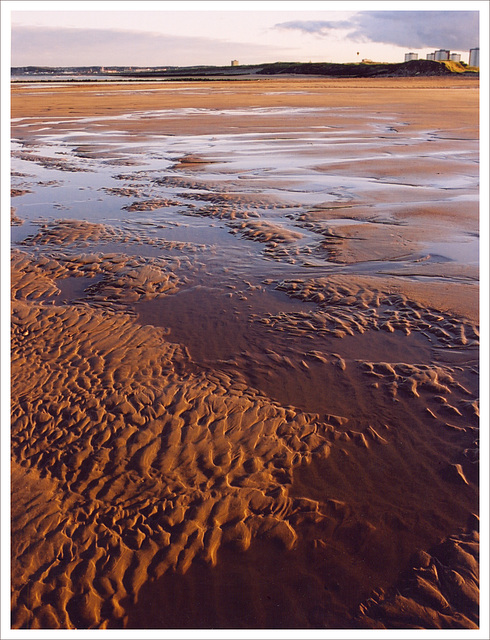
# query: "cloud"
456, 30
50, 46
315, 27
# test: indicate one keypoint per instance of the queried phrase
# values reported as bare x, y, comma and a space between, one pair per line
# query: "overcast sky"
214, 33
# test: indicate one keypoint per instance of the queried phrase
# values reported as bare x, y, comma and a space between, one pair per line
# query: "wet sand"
245, 355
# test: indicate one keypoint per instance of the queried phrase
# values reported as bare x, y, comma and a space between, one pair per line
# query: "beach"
245, 354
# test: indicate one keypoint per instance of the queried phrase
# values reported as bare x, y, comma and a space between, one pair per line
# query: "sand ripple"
60, 164
149, 464
347, 306
440, 591
80, 233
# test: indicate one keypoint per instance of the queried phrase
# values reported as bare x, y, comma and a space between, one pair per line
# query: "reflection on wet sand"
245, 356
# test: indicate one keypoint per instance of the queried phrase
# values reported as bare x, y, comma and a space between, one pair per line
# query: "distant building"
234, 63
441, 54
411, 56
444, 54
475, 57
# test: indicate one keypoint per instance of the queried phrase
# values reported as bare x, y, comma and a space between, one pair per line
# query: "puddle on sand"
74, 288
461, 249
213, 322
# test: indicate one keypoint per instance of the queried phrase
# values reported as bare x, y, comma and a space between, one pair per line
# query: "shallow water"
291, 170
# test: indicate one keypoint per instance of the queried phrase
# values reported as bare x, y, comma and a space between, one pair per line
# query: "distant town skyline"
194, 33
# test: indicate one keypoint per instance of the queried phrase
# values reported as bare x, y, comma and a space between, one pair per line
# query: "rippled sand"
245, 355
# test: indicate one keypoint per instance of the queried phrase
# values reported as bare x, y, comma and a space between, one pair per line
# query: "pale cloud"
315, 27
45, 46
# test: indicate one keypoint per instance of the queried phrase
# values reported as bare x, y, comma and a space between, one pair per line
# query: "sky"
64, 33
214, 33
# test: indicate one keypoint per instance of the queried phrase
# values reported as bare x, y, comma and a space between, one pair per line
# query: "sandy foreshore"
245, 354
